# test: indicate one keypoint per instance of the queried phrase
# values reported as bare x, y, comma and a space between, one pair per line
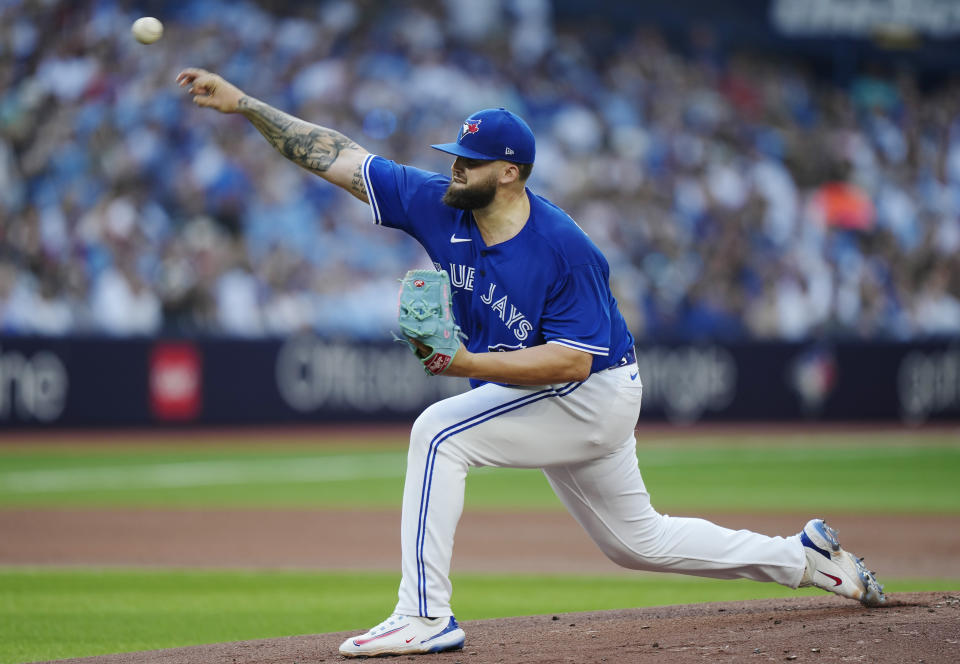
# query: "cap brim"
460, 151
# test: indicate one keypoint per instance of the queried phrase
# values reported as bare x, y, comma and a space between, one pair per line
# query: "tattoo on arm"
357, 187
308, 145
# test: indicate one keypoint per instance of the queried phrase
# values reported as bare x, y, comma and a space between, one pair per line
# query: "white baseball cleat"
406, 635
831, 568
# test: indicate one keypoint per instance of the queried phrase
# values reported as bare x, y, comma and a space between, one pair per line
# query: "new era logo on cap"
494, 133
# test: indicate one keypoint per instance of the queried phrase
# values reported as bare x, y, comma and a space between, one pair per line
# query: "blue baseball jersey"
547, 284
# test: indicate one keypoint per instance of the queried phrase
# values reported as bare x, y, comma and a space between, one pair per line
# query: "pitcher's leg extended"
608, 498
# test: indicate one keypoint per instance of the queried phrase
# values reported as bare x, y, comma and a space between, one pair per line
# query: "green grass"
54, 614
872, 473
199, 476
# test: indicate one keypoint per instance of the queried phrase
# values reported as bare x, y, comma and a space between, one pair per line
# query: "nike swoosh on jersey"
454, 239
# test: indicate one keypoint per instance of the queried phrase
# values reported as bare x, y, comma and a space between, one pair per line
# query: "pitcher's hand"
210, 90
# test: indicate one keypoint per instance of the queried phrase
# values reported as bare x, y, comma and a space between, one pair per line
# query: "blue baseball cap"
493, 133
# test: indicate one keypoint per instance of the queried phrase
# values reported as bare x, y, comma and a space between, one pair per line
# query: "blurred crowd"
737, 196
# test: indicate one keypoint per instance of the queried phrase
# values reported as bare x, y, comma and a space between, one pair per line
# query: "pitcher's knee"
627, 557
639, 549
427, 428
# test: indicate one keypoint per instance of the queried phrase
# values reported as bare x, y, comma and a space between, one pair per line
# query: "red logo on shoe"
836, 580
360, 642
411, 639
419, 283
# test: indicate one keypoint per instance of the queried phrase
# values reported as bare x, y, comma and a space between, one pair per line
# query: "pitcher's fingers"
200, 88
203, 84
188, 75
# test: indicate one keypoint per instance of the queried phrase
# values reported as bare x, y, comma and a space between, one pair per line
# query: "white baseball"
147, 29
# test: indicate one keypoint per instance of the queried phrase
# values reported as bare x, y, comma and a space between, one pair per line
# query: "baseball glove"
426, 315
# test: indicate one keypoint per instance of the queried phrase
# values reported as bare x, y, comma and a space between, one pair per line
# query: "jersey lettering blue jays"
547, 284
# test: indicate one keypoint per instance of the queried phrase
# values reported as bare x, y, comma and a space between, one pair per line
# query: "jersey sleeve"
576, 313
400, 196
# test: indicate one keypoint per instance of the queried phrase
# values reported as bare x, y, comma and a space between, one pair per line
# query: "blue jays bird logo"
469, 127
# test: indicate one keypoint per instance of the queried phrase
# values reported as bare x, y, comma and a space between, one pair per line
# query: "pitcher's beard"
470, 198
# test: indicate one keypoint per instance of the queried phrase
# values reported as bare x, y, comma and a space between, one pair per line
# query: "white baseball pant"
582, 436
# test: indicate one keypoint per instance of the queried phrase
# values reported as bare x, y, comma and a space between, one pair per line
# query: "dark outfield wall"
122, 383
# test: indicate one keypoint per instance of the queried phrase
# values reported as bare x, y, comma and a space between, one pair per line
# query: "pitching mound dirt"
914, 627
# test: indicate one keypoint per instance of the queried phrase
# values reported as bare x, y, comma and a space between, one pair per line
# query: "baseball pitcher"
520, 304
